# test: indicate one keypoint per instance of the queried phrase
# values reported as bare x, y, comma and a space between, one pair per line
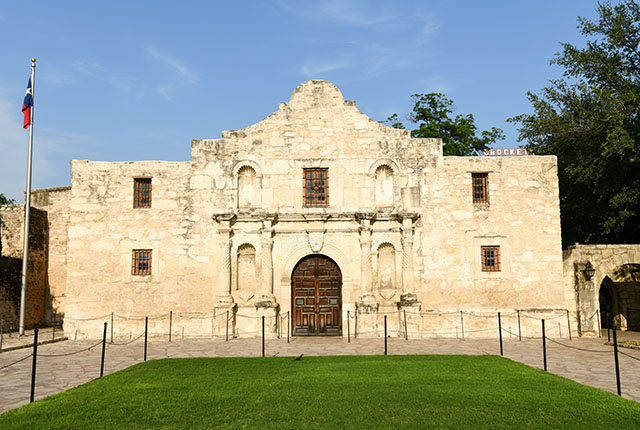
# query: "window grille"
490, 256
142, 192
141, 264
480, 189
316, 187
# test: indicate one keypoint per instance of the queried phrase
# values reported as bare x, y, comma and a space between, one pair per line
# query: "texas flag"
27, 104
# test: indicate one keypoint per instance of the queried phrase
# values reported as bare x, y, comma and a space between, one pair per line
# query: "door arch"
316, 297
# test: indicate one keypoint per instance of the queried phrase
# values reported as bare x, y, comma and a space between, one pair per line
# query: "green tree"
5, 200
432, 113
590, 119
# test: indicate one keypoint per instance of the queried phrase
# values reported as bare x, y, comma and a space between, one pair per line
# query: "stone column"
408, 303
224, 295
266, 241
407, 261
586, 299
266, 304
224, 300
366, 307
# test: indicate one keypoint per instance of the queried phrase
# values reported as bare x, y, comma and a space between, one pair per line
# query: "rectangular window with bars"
316, 187
141, 264
142, 192
490, 256
480, 188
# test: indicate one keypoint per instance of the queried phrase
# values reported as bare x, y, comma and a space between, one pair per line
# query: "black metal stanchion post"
226, 333
288, 324
406, 332
519, 329
615, 353
544, 346
104, 342
170, 324
53, 337
462, 324
348, 328
33, 366
385, 335
263, 335
146, 327
569, 324
500, 332
111, 327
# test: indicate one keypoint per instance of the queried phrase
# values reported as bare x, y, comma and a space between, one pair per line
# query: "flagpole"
27, 205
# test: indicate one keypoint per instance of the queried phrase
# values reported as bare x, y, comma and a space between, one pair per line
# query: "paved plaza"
58, 371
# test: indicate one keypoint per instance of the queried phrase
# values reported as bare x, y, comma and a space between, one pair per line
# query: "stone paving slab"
12, 340
573, 359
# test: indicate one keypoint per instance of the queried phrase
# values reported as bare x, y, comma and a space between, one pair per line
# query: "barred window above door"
490, 258
141, 264
141, 192
316, 187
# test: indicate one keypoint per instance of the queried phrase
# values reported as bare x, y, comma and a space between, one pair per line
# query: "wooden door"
316, 297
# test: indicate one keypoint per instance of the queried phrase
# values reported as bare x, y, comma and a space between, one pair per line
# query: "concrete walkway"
58, 371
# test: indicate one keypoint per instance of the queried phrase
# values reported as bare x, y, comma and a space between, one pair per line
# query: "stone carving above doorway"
316, 240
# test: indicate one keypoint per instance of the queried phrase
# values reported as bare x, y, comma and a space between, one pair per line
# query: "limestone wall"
11, 237
55, 202
522, 217
104, 228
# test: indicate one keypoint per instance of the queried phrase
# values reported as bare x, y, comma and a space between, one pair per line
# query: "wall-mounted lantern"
588, 271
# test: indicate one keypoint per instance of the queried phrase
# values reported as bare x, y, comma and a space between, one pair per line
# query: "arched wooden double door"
316, 297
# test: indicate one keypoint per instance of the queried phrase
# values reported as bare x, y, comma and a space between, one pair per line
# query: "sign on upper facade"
497, 152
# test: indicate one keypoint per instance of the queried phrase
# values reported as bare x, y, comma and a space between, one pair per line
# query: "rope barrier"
16, 362
126, 343
627, 355
563, 314
87, 319
70, 353
575, 347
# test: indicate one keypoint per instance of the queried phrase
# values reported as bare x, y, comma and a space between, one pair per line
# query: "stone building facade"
602, 285
317, 213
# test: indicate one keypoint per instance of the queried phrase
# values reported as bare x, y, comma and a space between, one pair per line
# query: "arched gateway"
316, 297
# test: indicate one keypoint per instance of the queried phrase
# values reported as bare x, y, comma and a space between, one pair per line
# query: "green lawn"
367, 392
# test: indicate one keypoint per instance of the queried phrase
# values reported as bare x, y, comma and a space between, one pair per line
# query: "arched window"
384, 186
247, 279
247, 187
386, 266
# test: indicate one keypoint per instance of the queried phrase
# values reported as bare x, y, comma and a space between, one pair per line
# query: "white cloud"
438, 83
184, 76
391, 36
353, 12
314, 69
97, 71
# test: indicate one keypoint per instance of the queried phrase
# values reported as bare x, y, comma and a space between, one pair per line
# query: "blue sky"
133, 80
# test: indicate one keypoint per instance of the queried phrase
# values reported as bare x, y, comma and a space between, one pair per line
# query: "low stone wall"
11, 237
